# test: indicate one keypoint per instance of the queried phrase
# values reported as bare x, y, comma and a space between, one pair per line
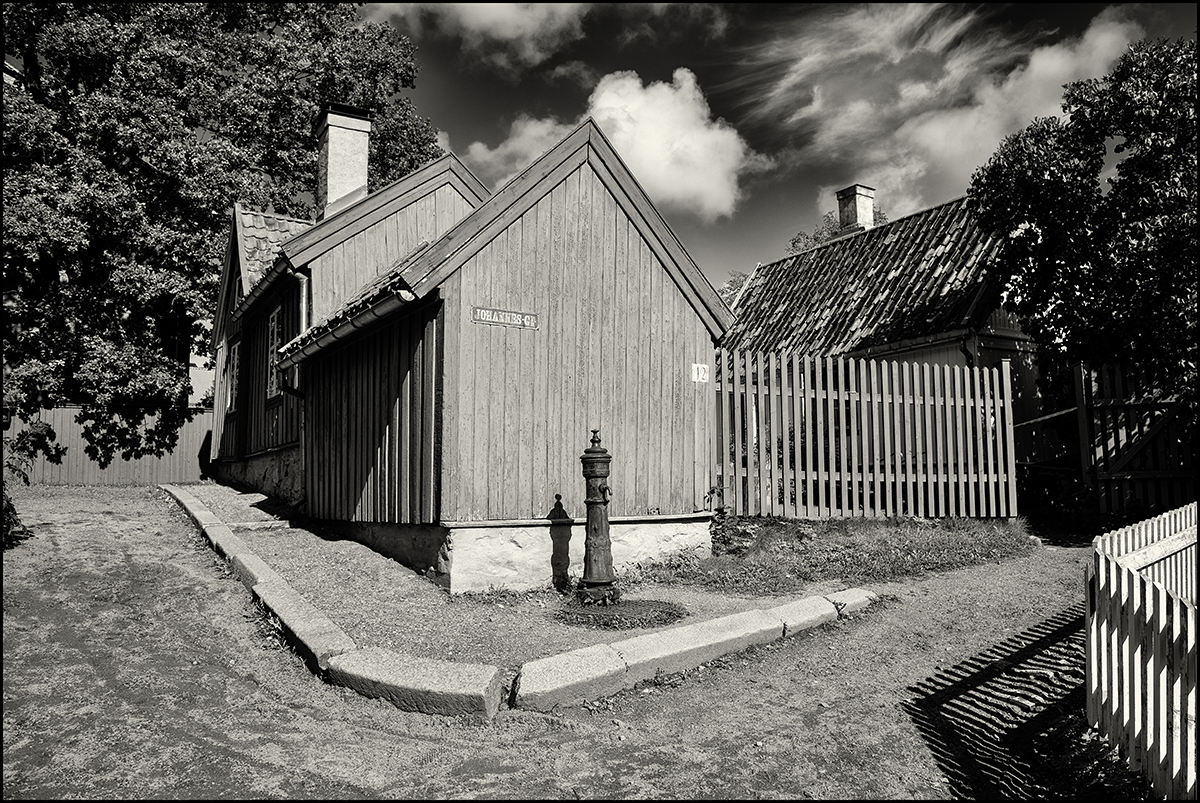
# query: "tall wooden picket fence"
183, 464
814, 437
1141, 647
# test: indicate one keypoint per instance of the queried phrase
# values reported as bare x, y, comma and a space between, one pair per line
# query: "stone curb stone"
252, 570
225, 542
851, 600
429, 686
219, 535
804, 614
319, 635
586, 673
687, 647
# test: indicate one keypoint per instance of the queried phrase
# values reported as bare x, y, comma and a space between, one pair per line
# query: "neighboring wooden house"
447, 404
282, 273
912, 290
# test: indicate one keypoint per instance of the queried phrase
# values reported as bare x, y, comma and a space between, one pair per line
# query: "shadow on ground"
1009, 723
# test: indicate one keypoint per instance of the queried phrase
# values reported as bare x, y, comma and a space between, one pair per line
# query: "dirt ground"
135, 665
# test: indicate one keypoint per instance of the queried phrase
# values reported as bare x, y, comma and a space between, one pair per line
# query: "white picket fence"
1141, 647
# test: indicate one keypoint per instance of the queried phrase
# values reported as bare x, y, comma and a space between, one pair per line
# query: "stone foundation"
278, 473
420, 547
531, 554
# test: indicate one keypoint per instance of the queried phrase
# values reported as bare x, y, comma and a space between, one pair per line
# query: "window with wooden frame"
273, 389
231, 376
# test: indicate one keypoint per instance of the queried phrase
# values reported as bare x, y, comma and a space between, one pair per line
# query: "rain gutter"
348, 327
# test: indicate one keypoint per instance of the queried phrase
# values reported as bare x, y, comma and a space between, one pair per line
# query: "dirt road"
135, 666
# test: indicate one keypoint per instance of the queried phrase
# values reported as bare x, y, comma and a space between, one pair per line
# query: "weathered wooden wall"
181, 465
371, 422
258, 423
614, 349
344, 269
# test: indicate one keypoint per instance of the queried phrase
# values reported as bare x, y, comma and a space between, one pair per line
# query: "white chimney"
856, 208
345, 135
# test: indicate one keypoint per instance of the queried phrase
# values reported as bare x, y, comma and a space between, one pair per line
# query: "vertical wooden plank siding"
370, 451
613, 349
339, 272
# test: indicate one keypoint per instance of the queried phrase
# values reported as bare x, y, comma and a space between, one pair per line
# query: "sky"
742, 121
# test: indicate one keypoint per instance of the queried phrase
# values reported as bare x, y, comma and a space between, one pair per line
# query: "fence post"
1010, 462
1083, 415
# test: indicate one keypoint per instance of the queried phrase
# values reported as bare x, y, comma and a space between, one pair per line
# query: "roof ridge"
239, 206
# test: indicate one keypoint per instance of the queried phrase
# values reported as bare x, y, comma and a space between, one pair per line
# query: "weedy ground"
769, 555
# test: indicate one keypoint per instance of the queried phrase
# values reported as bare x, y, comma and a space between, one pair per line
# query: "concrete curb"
411, 684
605, 669
444, 687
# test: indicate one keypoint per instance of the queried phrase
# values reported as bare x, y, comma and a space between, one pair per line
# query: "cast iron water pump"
596, 586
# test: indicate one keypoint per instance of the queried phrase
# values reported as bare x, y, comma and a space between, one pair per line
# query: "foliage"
769, 555
825, 231
133, 130
20, 450
732, 286
1105, 270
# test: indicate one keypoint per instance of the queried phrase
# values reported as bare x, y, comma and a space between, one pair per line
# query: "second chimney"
345, 135
856, 208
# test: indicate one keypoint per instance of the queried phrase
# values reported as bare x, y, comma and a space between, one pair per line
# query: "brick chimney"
344, 133
856, 209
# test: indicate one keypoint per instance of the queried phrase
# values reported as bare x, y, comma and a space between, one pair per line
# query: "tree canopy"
825, 231
1097, 211
133, 129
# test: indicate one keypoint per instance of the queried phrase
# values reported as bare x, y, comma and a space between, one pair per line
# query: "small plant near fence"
770, 555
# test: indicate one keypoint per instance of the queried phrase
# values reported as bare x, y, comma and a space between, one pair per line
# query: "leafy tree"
133, 130
732, 286
1105, 270
825, 231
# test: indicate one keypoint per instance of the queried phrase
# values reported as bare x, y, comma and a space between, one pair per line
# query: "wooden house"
282, 273
446, 404
916, 289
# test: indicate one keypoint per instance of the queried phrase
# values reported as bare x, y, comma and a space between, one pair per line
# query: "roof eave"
360, 320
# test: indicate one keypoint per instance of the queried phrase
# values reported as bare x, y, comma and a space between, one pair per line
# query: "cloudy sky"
742, 121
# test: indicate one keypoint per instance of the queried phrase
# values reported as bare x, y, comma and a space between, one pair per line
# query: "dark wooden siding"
371, 417
260, 423
340, 272
614, 350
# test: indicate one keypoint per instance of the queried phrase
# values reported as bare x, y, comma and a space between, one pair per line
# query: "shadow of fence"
1009, 723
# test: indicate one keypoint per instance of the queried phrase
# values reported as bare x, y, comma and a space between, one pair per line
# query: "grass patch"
769, 555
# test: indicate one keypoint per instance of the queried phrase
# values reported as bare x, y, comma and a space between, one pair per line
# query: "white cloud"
510, 35
528, 138
911, 99
684, 159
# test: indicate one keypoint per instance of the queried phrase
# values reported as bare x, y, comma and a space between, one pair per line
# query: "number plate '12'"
503, 317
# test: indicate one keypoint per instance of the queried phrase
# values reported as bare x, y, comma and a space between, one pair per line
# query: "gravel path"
135, 665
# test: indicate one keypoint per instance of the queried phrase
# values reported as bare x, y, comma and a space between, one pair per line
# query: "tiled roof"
920, 275
260, 235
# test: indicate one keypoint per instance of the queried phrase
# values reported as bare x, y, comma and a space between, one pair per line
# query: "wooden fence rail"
182, 464
816, 437
1141, 647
